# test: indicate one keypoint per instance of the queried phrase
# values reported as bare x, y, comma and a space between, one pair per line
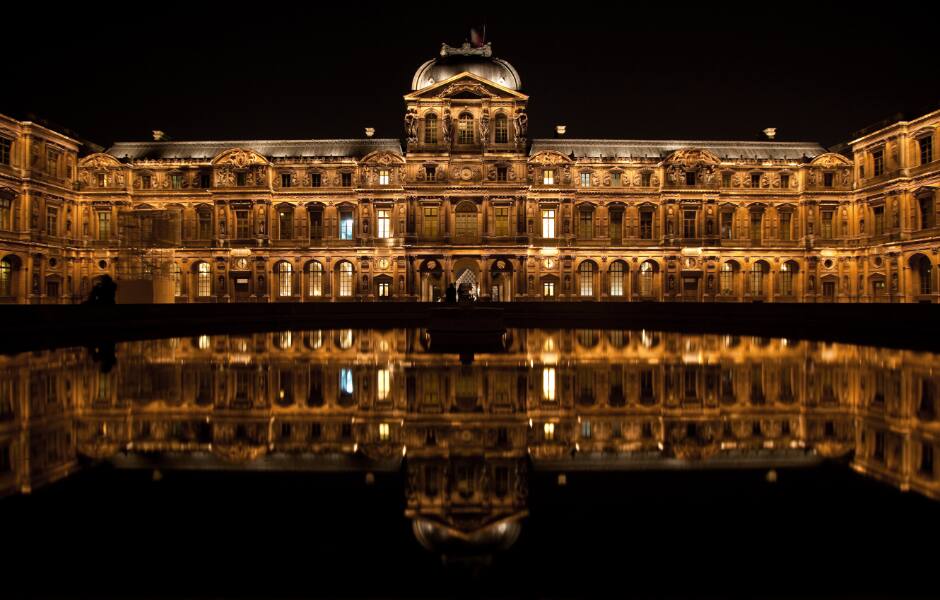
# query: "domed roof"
478, 61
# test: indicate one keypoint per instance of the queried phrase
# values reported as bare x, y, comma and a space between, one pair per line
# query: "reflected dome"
451, 542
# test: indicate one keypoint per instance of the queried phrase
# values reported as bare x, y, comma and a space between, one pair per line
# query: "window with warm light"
384, 177
284, 279
315, 280
548, 384
548, 176
203, 280
616, 279
345, 279
548, 222
549, 430
548, 289
501, 221
383, 221
465, 129
586, 279
384, 432
383, 382
383, 289
430, 222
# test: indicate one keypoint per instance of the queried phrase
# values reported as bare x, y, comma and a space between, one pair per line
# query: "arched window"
465, 221
756, 279
616, 279
646, 279
924, 272
6, 277
177, 274
430, 129
786, 279
726, 279
501, 129
203, 280
465, 129
586, 279
315, 279
345, 279
284, 278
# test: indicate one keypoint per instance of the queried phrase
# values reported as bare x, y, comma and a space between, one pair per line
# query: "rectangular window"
548, 289
316, 224
646, 224
241, 178
52, 163
501, 221
52, 288
6, 216
548, 176
205, 182
756, 219
104, 225
585, 180
430, 222
465, 129
430, 173
502, 130
346, 225
242, 232
726, 179
384, 177
878, 157
548, 222
926, 150
346, 179
5, 147
727, 222
102, 180
585, 224
430, 129
785, 219
755, 180
784, 181
285, 180
826, 229
879, 220
52, 220
646, 179
927, 214
146, 182
285, 223
688, 224
176, 181
383, 289
205, 224
502, 173
383, 220
465, 225
690, 178
616, 227
615, 179
316, 180
828, 179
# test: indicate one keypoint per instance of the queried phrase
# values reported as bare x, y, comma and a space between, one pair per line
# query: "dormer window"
430, 172
615, 179
146, 182
726, 179
176, 180
205, 181
548, 176
346, 179
241, 178
646, 179
102, 180
285, 180
384, 177
315, 180
585, 180
690, 178
755, 180
784, 181
827, 179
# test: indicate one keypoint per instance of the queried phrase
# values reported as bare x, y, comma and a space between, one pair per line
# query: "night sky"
303, 71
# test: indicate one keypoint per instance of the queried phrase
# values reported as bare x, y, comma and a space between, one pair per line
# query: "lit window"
548, 176
383, 432
384, 223
315, 280
548, 383
465, 129
203, 280
501, 129
346, 280
430, 129
548, 289
585, 180
345, 339
646, 279
756, 279
549, 430
616, 279
430, 222
284, 279
586, 279
382, 386
204, 342
501, 220
346, 225
104, 225
177, 280
346, 381
384, 289
384, 176
726, 279
548, 222
786, 279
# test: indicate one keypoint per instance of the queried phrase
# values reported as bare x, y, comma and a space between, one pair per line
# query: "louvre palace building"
466, 197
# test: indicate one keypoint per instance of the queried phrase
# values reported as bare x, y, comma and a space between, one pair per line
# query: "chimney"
560, 130
370, 131
770, 132
158, 136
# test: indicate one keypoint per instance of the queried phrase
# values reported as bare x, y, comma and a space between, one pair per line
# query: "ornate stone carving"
411, 125
520, 125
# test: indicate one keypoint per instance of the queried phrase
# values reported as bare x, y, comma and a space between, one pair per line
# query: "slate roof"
355, 148
726, 150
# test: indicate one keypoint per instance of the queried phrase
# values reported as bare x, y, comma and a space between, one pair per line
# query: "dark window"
784, 181
241, 224
726, 179
430, 129
315, 180
502, 129
646, 179
586, 224
785, 223
688, 224
316, 224
430, 173
145, 182
5, 146
926, 150
646, 224
879, 220
927, 214
727, 219
285, 179
240, 179
878, 157
756, 219
690, 177
347, 179
205, 182
755, 179
826, 229
827, 179
502, 173
205, 224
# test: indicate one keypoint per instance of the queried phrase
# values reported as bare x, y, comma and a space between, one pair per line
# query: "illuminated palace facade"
470, 199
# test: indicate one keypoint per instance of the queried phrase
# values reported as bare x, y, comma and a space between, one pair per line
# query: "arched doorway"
501, 281
10, 268
431, 281
467, 279
921, 280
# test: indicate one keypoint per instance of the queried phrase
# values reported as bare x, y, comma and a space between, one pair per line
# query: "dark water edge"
909, 326
822, 532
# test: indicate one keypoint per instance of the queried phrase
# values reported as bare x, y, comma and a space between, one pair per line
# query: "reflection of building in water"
556, 400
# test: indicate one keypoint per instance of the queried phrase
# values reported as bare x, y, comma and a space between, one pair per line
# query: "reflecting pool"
467, 435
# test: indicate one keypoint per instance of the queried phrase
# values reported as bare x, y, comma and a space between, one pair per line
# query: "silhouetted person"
451, 294
103, 292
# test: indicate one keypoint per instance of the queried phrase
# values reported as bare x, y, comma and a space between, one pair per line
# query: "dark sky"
230, 71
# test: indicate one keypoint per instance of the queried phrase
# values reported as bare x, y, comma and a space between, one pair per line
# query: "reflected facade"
467, 436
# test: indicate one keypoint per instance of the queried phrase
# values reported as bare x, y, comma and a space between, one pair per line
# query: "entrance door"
690, 289
242, 289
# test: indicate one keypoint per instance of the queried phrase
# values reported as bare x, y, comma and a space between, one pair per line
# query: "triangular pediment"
465, 85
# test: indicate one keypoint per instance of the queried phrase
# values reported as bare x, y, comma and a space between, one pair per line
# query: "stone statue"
521, 125
411, 126
448, 127
485, 127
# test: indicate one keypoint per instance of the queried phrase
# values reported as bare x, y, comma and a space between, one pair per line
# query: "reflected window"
345, 385
283, 340
549, 430
344, 339
548, 384
382, 384
384, 431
